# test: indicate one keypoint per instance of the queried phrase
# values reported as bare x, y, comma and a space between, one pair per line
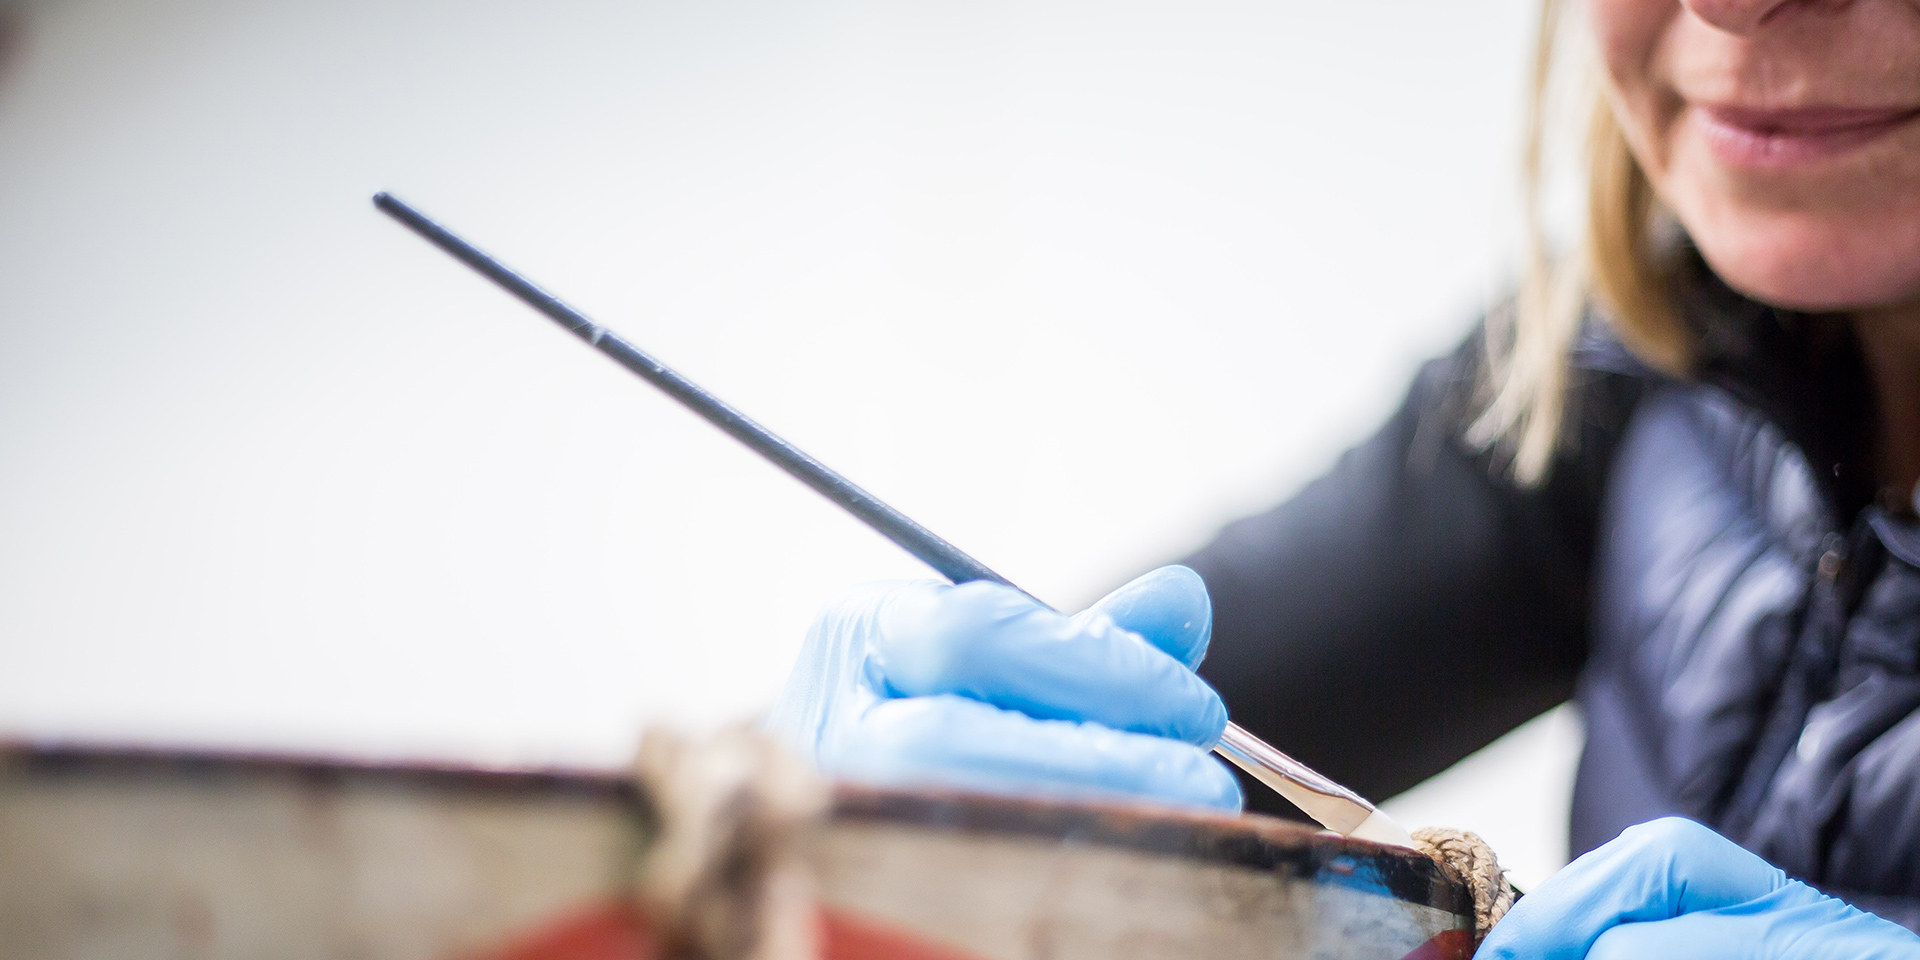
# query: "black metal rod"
949, 560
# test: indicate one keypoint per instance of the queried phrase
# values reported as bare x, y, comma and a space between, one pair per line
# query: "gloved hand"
978, 686
1675, 889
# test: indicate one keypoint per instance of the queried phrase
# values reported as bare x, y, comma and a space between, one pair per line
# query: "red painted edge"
609, 930
613, 930
1445, 945
849, 937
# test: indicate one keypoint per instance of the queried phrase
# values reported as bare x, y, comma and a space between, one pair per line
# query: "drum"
130, 854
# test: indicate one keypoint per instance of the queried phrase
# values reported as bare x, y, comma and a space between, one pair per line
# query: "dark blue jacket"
1707, 570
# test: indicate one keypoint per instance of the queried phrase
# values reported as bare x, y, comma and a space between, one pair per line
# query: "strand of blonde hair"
1527, 344
1618, 267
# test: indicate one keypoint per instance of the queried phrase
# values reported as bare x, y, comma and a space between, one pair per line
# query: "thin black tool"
1336, 807
949, 560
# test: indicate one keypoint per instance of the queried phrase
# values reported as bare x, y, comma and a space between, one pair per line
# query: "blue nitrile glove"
1675, 889
978, 686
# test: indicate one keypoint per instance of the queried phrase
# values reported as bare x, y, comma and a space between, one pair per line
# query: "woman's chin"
1816, 267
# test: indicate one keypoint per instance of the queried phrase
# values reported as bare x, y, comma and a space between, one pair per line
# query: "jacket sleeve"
1412, 604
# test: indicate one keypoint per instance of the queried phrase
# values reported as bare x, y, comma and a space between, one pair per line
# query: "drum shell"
133, 854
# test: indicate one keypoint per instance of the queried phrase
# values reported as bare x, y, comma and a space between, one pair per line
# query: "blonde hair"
1619, 267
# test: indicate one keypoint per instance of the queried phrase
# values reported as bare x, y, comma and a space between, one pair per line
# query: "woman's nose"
1745, 16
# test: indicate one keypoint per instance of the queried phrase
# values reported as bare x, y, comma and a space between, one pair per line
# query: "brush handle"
949, 560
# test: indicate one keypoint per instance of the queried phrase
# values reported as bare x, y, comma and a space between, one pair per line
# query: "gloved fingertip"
1169, 607
1197, 779
1211, 722
1223, 791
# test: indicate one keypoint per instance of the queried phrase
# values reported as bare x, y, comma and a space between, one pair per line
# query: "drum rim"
69, 758
1252, 841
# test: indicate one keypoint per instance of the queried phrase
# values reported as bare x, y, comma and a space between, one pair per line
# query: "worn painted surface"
130, 856
1019, 880
146, 857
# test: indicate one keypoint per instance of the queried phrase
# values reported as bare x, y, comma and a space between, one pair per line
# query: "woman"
1675, 478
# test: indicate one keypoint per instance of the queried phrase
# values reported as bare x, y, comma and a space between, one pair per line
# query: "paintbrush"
1334, 806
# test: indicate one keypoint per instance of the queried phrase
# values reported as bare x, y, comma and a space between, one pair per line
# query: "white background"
1071, 283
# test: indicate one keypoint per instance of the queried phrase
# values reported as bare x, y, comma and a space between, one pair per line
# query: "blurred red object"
618, 931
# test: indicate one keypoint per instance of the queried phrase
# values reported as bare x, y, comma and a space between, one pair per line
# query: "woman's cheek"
1631, 37
1628, 33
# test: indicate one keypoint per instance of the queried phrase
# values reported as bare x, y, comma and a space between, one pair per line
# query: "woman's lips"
1785, 138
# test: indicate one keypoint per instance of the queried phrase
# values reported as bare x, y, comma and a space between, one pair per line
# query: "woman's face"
1785, 135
